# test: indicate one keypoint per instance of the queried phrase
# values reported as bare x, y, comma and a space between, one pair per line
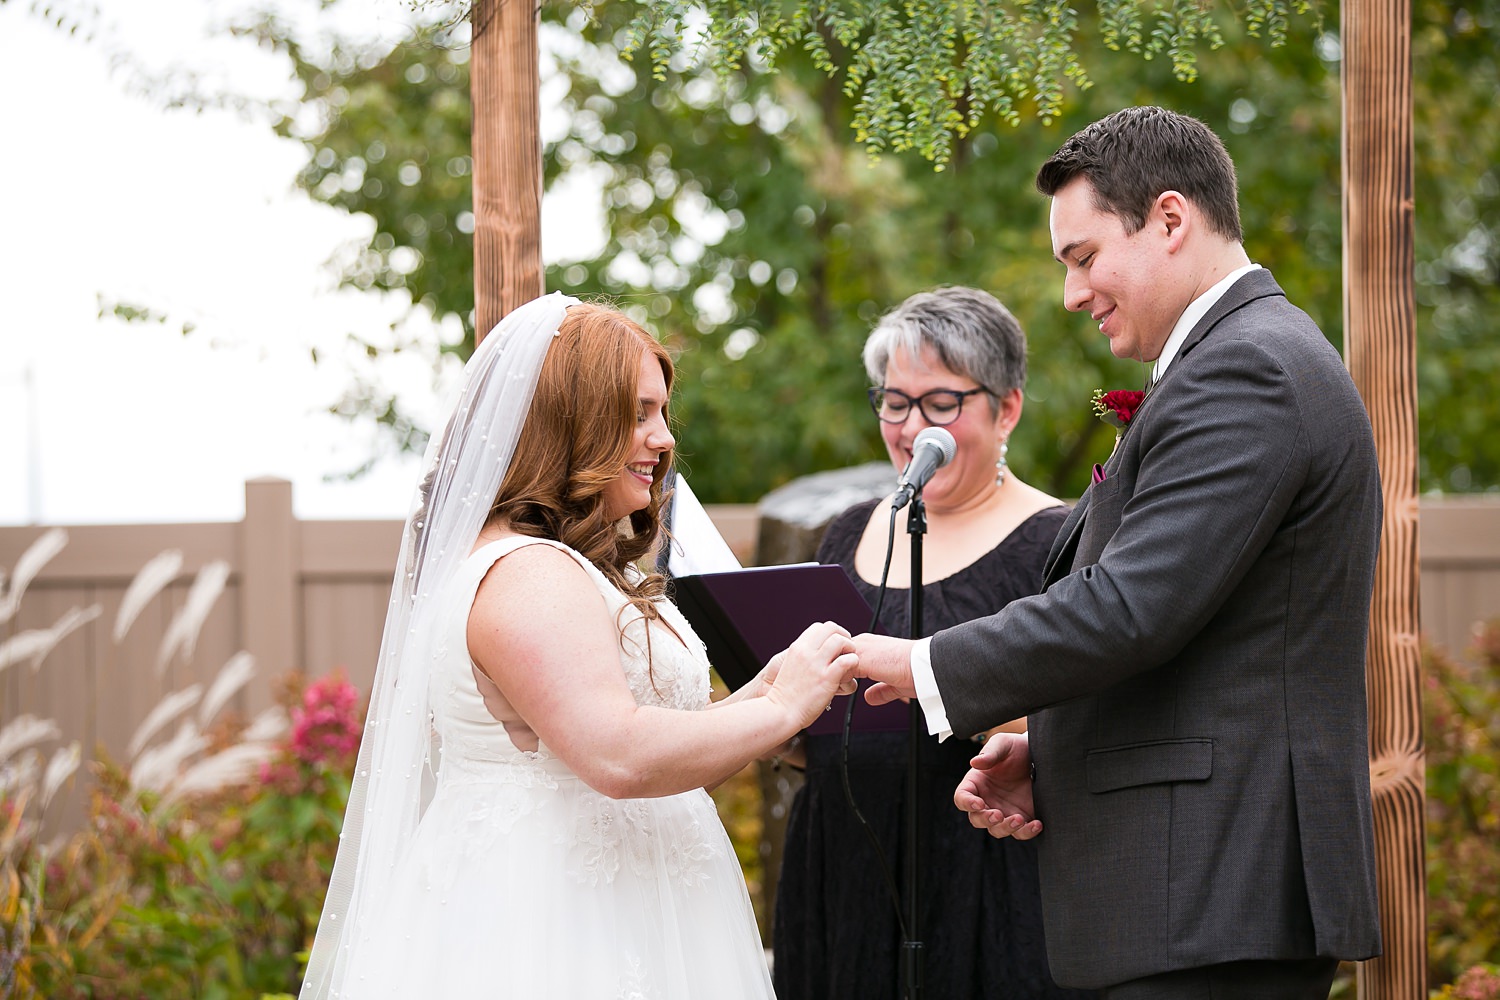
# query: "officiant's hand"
996, 793
888, 662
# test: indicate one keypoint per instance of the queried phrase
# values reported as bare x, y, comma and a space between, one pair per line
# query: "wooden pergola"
1380, 349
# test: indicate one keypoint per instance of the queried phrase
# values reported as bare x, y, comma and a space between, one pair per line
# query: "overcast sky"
110, 197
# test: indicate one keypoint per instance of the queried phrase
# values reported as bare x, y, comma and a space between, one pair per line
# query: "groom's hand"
996, 793
888, 662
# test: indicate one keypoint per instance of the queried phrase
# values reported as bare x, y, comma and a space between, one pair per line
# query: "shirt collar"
1196, 310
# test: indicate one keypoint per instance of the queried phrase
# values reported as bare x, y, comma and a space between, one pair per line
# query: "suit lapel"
1060, 560
1257, 284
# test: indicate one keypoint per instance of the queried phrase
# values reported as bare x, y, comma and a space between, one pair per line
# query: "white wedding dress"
523, 882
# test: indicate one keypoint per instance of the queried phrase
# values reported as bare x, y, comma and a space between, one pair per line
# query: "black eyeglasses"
939, 407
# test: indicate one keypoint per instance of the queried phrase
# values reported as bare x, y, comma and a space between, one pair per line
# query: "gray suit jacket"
1195, 669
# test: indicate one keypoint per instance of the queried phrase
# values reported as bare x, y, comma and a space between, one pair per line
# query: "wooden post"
270, 593
1380, 342
507, 147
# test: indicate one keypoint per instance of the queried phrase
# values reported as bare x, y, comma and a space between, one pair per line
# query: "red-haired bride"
528, 817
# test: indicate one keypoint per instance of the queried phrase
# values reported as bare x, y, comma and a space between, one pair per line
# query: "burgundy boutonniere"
1117, 407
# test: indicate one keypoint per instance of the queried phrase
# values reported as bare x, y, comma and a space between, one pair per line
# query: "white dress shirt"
921, 652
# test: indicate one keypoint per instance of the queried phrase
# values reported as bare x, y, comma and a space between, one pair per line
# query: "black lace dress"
836, 933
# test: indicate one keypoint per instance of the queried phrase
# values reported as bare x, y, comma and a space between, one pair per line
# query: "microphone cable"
885, 868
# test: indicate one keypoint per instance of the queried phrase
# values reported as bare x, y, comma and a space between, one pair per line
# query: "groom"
1194, 670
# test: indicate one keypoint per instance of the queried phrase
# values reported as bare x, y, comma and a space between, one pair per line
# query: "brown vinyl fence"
311, 595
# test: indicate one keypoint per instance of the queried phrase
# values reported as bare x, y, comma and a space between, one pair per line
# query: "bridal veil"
393, 779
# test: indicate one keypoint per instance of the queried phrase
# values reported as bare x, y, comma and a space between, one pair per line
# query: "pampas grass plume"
37, 555
229, 766
182, 634
34, 644
24, 731
157, 766
60, 768
268, 726
165, 711
161, 570
233, 676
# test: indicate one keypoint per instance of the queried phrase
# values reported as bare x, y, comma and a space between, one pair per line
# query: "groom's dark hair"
1135, 154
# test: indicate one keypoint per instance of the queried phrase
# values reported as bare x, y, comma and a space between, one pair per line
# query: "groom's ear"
1172, 214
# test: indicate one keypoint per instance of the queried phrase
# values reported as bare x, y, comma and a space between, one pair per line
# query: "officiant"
953, 358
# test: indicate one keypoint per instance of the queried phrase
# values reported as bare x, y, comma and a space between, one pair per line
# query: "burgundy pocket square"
1098, 473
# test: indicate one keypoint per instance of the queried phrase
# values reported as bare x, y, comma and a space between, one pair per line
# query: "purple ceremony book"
747, 616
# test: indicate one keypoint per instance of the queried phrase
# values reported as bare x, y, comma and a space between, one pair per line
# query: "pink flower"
1478, 983
326, 725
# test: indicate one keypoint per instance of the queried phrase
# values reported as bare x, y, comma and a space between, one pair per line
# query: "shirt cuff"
927, 690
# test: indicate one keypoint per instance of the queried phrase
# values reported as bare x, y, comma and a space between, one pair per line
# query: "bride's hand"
769, 671
812, 670
773, 666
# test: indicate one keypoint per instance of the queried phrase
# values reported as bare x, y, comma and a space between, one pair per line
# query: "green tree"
1461, 727
924, 73
745, 227
1457, 242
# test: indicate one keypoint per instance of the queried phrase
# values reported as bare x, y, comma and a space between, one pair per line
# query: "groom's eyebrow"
1067, 251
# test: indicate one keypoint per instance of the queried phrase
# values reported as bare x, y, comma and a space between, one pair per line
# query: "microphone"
933, 449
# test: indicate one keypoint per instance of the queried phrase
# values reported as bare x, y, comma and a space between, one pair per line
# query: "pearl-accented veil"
393, 780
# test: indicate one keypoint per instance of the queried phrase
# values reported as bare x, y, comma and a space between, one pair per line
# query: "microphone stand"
911, 949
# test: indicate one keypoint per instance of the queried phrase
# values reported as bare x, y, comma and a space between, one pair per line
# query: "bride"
528, 817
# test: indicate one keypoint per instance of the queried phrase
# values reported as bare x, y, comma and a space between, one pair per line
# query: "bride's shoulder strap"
492, 552
482, 558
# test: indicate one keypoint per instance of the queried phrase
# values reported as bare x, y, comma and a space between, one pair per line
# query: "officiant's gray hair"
969, 330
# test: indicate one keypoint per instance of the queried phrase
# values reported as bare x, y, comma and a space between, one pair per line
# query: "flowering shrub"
1462, 708
211, 897
1482, 982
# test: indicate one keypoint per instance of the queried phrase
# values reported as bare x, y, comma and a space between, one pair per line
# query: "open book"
746, 616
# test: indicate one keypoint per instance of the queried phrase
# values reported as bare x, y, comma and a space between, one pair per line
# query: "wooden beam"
507, 146
1380, 343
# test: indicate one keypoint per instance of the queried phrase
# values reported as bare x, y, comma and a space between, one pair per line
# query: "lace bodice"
662, 669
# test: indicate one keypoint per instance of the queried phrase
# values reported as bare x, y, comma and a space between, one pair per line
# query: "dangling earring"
1000, 466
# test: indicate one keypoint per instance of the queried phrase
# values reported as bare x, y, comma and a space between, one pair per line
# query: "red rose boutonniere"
1117, 407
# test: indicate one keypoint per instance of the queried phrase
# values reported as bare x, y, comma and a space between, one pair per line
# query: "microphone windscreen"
940, 437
